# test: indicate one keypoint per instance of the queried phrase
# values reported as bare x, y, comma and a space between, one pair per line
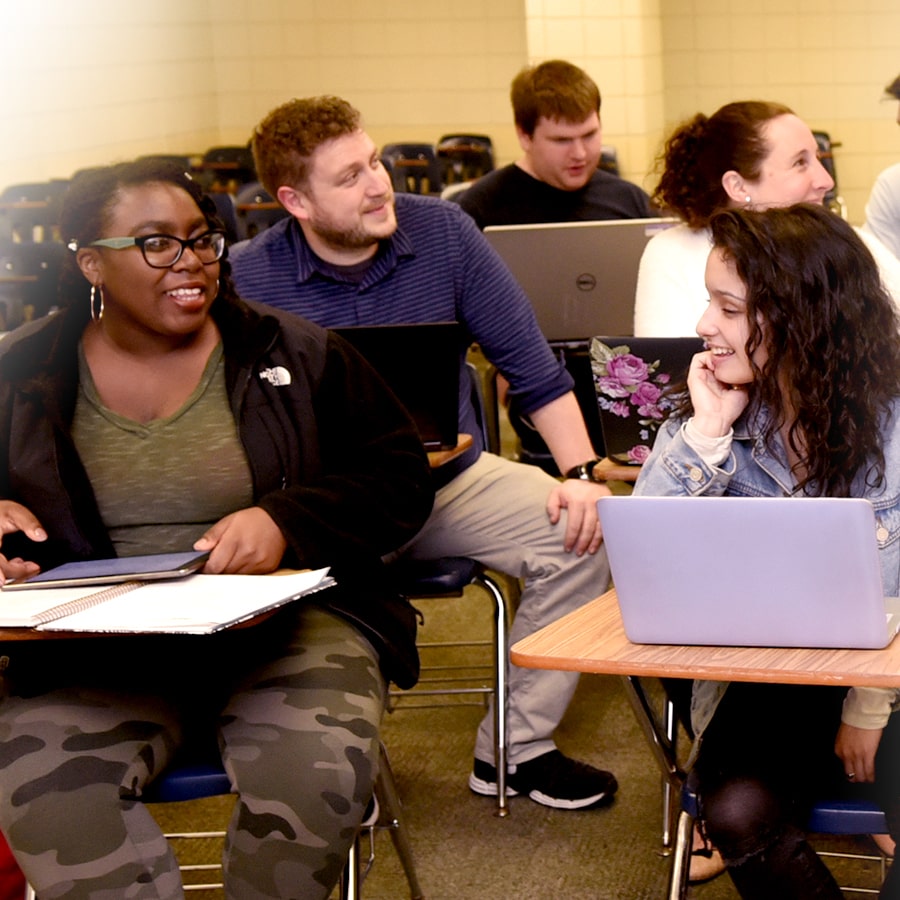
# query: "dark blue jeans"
765, 758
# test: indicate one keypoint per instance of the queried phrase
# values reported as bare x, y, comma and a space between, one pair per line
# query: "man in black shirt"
556, 106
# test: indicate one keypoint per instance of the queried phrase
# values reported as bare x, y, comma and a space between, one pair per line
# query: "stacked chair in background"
440, 169
464, 157
31, 250
256, 210
413, 167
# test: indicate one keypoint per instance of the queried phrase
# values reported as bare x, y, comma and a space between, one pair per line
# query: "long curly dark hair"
816, 304
700, 151
89, 201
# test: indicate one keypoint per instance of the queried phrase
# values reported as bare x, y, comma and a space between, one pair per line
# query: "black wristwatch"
583, 472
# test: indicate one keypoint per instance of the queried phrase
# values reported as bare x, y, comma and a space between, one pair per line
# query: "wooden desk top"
24, 204
438, 458
592, 639
263, 204
607, 470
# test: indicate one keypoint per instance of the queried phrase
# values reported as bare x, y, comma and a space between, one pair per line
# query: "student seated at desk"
353, 253
157, 412
796, 393
556, 108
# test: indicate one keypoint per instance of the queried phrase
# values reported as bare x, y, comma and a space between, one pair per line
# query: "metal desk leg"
669, 794
501, 705
660, 735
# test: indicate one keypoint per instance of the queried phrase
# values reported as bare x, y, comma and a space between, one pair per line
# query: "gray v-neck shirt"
161, 485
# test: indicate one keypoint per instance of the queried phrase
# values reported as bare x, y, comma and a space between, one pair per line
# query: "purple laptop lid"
747, 571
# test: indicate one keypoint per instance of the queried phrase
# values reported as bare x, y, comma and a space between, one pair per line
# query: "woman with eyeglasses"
158, 412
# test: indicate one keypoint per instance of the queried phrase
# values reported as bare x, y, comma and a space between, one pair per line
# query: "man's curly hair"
288, 136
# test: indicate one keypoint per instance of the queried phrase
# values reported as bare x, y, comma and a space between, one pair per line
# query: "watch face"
583, 472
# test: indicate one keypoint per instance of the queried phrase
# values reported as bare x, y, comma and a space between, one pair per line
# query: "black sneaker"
551, 779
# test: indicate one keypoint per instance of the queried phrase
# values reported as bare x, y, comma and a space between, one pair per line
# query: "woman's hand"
15, 517
716, 404
246, 542
856, 748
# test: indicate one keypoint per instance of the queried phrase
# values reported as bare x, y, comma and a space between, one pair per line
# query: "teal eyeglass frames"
163, 250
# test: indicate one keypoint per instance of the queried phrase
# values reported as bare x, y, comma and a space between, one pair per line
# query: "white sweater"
671, 293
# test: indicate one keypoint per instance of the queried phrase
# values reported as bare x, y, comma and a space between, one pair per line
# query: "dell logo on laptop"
585, 282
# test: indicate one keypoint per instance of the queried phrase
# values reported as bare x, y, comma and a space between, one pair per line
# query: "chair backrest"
609, 159
29, 213
826, 147
29, 278
226, 212
180, 159
464, 157
227, 168
489, 435
257, 210
413, 168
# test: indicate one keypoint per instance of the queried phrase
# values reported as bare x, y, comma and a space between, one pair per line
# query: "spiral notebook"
195, 604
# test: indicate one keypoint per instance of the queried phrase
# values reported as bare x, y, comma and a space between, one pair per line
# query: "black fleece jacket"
336, 461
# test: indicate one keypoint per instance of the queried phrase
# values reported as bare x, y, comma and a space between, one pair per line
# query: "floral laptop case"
634, 380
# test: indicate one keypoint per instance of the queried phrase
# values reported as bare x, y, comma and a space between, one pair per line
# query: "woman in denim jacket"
796, 393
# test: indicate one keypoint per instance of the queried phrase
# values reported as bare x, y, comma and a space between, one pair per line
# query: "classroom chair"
29, 213
413, 168
464, 157
828, 816
226, 168
833, 199
447, 578
256, 209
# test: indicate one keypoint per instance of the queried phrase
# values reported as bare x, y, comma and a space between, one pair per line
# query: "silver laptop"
748, 571
579, 276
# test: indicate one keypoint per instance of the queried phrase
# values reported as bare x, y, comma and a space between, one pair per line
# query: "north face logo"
277, 375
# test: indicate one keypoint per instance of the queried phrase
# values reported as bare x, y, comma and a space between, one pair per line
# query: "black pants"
765, 758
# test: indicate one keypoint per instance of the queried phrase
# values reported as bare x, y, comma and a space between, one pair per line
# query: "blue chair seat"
847, 817
443, 577
188, 782
829, 816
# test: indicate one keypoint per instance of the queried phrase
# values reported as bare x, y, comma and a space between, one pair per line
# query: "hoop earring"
96, 312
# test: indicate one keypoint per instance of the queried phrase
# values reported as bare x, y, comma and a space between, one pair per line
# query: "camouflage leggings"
299, 702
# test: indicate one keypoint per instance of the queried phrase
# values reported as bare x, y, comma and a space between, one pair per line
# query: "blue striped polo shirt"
436, 267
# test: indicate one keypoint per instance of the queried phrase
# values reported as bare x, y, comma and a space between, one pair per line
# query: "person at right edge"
797, 394
883, 206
